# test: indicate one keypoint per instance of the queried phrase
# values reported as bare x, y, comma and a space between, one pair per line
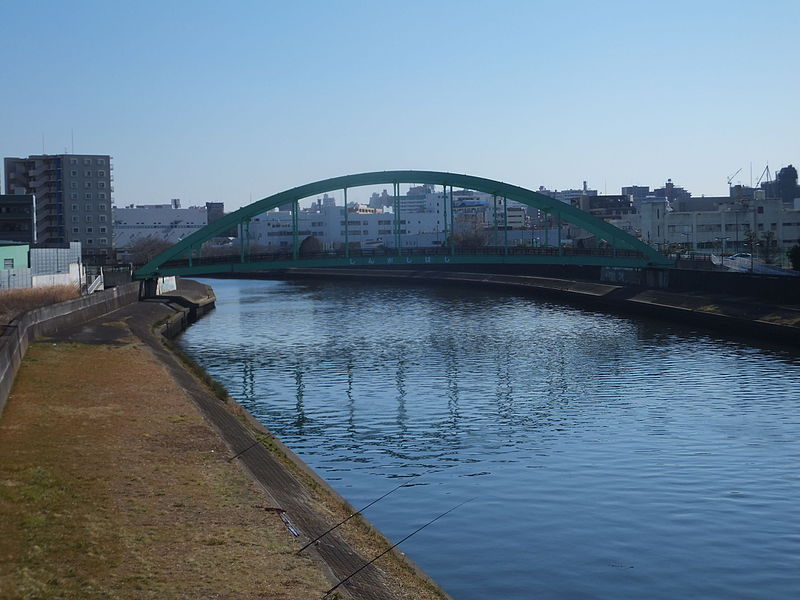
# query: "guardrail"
389, 252
97, 283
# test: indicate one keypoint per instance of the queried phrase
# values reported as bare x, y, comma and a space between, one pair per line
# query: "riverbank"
122, 482
735, 315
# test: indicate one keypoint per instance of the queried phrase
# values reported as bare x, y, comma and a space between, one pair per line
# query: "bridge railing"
391, 252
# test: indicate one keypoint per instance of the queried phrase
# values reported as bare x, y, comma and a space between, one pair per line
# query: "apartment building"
73, 198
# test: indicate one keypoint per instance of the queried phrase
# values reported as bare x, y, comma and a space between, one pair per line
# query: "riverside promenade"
119, 478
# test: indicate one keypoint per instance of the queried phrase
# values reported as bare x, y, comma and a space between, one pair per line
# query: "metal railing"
286, 255
96, 284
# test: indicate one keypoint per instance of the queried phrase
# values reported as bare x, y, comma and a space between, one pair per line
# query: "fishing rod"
238, 454
365, 565
319, 537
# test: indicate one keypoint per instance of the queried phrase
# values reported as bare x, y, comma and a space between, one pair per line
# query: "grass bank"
124, 491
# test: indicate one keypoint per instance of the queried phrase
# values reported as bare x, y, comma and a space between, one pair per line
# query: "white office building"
168, 222
722, 220
422, 221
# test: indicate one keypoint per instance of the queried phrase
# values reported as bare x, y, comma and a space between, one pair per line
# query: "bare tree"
146, 249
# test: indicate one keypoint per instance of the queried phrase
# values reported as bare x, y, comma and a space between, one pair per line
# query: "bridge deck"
406, 257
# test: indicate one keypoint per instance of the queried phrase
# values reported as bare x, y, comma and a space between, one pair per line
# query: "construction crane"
764, 172
732, 176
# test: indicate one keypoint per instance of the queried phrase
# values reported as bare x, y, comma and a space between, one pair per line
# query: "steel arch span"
616, 238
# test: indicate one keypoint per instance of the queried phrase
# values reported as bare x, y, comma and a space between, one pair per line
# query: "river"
602, 456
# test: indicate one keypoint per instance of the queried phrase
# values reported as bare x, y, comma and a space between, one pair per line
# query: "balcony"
48, 166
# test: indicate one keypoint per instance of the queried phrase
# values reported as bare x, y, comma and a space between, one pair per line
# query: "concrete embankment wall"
735, 316
18, 334
188, 313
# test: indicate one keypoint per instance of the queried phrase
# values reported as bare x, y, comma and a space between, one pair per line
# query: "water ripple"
612, 457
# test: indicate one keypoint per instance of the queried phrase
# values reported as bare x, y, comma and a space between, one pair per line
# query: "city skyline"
210, 103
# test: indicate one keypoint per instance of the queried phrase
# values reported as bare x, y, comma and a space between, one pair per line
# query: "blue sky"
213, 101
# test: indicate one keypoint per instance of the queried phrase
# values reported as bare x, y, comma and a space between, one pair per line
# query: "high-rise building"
73, 198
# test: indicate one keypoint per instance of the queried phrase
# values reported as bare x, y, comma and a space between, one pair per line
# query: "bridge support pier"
346, 227
244, 240
398, 239
452, 225
505, 225
147, 288
295, 233
495, 239
446, 240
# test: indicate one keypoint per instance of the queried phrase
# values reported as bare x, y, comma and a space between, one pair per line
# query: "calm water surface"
610, 457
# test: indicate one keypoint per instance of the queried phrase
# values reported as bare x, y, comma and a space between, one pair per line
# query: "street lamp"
686, 243
753, 242
722, 239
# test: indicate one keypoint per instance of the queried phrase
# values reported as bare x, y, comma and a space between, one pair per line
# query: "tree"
751, 241
769, 245
794, 256
147, 248
310, 246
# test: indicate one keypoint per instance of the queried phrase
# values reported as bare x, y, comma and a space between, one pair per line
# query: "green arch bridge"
185, 257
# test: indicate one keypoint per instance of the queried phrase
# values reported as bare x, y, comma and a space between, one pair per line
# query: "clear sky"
224, 101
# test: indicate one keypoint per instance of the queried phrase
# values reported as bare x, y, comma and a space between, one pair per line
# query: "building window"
101, 161
101, 184
8, 263
101, 207
76, 230
73, 173
101, 173
87, 173
87, 161
75, 207
88, 218
73, 196
101, 196
73, 161
101, 218
89, 230
73, 184
76, 219
103, 241
87, 207
87, 184
87, 196
90, 241
102, 230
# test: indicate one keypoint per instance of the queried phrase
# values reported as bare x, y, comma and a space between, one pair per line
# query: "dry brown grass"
17, 301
